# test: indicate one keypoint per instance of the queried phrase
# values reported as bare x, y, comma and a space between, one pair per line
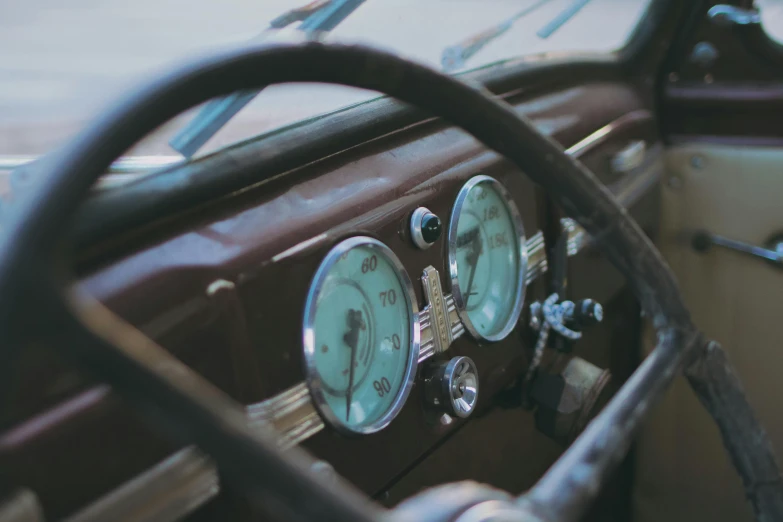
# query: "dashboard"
333, 300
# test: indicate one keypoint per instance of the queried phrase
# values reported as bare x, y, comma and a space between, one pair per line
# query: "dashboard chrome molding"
600, 136
519, 228
427, 343
188, 479
170, 490
536, 257
291, 414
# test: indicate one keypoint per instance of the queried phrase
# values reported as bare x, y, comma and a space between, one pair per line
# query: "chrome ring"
519, 228
308, 336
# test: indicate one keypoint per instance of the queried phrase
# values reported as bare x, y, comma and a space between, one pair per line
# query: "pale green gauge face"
358, 336
487, 259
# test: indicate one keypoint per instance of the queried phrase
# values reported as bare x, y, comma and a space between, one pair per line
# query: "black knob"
426, 228
585, 313
431, 228
701, 241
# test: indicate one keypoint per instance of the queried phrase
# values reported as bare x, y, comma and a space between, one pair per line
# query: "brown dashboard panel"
223, 288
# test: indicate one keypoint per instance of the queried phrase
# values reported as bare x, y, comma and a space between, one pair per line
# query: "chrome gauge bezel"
519, 229
308, 336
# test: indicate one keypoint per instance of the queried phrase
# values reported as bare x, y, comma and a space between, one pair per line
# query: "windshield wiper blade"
561, 19
455, 56
316, 18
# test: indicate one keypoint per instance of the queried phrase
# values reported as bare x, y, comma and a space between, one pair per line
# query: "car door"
721, 100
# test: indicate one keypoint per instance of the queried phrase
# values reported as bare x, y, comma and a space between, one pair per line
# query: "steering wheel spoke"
158, 383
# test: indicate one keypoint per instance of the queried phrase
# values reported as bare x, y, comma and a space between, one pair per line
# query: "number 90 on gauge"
361, 336
487, 259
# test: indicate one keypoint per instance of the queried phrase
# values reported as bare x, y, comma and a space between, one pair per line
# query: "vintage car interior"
542, 290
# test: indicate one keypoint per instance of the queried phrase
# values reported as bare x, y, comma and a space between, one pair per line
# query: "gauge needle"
351, 338
472, 259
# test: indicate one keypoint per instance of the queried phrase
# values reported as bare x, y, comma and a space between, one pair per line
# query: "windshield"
64, 62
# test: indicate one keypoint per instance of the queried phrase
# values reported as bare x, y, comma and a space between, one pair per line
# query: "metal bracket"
440, 322
701, 241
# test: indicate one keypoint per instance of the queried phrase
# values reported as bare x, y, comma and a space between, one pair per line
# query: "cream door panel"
684, 473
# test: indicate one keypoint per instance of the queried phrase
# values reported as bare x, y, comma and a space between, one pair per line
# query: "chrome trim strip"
291, 414
170, 490
186, 480
634, 186
457, 328
536, 257
601, 135
427, 349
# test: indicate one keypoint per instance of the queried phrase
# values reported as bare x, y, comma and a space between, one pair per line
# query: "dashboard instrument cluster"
360, 304
363, 332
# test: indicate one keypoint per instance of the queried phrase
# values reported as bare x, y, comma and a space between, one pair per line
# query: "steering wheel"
40, 304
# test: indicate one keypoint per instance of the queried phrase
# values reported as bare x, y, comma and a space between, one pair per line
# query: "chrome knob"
629, 158
452, 387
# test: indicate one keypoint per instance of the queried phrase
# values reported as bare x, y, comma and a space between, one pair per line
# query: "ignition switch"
452, 387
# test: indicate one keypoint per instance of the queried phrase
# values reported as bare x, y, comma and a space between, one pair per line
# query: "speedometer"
487, 259
361, 336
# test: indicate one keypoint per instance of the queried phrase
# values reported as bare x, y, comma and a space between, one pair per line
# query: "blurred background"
61, 62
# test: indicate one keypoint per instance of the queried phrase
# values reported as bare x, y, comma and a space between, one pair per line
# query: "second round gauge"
487, 258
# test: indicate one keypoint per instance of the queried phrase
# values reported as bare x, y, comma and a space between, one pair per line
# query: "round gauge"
361, 336
487, 259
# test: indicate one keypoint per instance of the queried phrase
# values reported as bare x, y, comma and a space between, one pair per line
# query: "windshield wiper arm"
455, 56
561, 19
316, 17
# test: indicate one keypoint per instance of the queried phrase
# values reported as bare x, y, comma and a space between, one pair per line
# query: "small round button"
426, 228
431, 228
